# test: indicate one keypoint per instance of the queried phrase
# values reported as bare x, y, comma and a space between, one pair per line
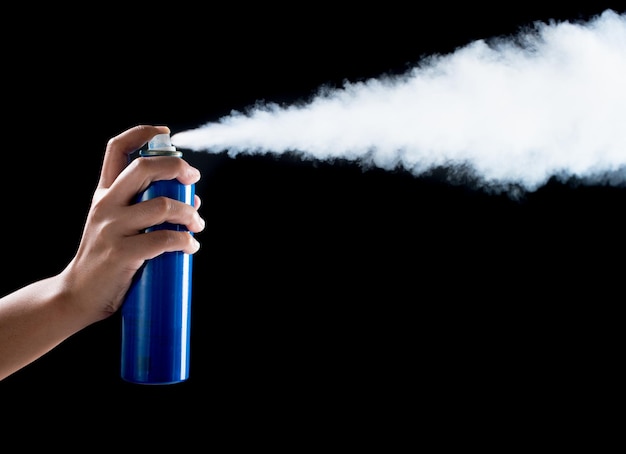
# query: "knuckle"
161, 205
98, 211
107, 228
111, 142
141, 164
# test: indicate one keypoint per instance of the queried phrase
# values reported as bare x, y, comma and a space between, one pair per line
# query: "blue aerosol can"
156, 314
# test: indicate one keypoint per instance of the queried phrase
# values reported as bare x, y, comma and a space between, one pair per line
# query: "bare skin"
38, 317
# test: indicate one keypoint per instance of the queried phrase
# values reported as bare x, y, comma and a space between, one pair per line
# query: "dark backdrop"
324, 294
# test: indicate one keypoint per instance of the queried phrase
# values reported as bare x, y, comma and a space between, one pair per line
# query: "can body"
156, 314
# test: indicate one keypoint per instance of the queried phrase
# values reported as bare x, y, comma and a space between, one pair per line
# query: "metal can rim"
161, 153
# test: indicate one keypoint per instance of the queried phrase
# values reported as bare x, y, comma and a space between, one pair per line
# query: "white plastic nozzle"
161, 142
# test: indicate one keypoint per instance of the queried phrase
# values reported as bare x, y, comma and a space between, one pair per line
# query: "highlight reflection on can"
156, 314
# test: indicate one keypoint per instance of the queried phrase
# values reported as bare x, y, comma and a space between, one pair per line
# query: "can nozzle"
161, 142
160, 145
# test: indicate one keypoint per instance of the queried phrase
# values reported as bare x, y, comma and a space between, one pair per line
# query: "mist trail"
505, 112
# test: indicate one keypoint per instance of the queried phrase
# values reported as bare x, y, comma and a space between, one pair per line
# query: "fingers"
119, 147
149, 245
162, 209
116, 216
138, 175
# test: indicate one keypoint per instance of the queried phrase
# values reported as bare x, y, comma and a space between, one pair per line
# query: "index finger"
119, 147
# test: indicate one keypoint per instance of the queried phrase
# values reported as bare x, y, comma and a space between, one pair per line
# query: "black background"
325, 296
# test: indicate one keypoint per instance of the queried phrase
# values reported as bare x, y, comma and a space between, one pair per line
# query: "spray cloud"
510, 112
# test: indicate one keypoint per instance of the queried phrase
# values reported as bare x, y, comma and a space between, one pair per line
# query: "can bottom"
153, 383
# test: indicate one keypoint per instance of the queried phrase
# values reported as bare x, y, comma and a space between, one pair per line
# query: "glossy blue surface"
156, 315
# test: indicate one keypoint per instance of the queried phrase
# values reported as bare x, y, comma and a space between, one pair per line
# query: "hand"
113, 246
36, 318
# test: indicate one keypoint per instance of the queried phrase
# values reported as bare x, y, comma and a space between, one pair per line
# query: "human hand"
113, 246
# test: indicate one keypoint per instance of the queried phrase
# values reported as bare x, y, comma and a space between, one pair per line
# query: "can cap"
160, 145
161, 142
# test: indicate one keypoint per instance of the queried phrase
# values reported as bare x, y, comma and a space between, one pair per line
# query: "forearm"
33, 320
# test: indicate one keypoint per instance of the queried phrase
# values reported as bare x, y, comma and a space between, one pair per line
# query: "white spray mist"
515, 111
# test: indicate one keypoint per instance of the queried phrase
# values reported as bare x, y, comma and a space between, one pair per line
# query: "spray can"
156, 314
